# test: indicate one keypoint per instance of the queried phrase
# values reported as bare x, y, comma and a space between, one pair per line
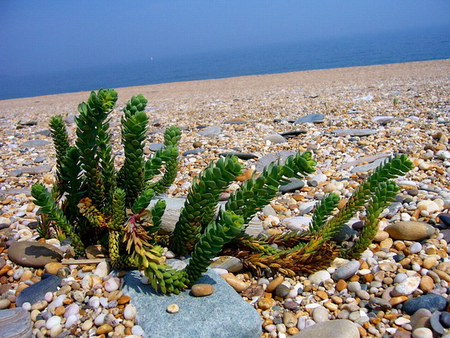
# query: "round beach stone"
34, 254
410, 230
202, 289
339, 328
430, 302
229, 263
319, 277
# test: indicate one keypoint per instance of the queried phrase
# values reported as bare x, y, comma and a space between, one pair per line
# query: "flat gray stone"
35, 143
269, 158
310, 118
15, 323
37, 291
355, 132
339, 328
40, 169
293, 185
224, 314
346, 271
275, 138
210, 131
367, 167
33, 254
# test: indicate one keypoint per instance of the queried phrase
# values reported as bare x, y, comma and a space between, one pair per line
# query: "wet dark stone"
194, 151
293, 133
445, 319
36, 292
444, 219
242, 156
344, 235
398, 257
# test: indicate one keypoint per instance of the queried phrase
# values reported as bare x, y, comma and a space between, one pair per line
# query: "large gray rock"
173, 209
33, 254
15, 323
221, 315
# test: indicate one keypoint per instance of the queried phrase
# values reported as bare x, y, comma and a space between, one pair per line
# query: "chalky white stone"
72, 309
52, 321
137, 330
100, 319
407, 286
112, 284
102, 269
70, 321
319, 276
129, 312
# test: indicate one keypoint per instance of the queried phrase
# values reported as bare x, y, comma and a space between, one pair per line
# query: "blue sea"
358, 50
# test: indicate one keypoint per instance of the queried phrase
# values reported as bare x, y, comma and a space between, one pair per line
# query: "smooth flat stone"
310, 118
339, 328
35, 143
355, 132
37, 291
293, 185
269, 158
222, 314
293, 133
242, 156
34, 254
15, 323
39, 169
194, 151
430, 302
210, 131
410, 230
346, 271
275, 138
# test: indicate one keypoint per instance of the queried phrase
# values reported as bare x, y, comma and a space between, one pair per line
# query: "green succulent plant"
93, 202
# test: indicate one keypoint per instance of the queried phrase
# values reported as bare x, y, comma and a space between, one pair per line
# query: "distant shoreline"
366, 74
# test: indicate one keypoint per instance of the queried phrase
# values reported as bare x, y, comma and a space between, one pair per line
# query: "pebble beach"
351, 119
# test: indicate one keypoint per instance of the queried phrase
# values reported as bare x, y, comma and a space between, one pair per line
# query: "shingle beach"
350, 118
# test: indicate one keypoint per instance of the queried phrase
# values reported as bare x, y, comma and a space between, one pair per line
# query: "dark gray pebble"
293, 185
310, 118
430, 302
242, 156
36, 292
194, 151
35, 143
435, 322
293, 133
40, 159
282, 290
445, 319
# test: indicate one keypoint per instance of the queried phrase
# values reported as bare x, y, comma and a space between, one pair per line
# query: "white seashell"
129, 312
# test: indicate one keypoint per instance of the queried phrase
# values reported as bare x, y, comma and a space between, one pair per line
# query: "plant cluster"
93, 202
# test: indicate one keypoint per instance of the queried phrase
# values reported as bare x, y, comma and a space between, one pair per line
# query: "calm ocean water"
413, 45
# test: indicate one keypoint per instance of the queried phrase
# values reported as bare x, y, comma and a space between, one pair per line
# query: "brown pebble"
53, 267
172, 308
426, 284
292, 331
202, 289
123, 300
274, 283
398, 300
341, 285
236, 283
322, 294
362, 331
442, 275
59, 311
266, 303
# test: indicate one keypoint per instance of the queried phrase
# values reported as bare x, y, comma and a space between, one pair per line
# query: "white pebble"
102, 269
52, 321
100, 319
72, 309
103, 301
129, 312
56, 330
112, 284
26, 306
137, 330
71, 320
48, 297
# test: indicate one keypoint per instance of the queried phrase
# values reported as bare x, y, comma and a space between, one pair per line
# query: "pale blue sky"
44, 36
